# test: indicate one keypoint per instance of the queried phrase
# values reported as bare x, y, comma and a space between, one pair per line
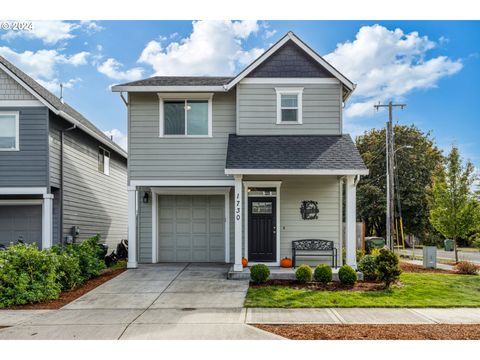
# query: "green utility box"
374, 243
449, 245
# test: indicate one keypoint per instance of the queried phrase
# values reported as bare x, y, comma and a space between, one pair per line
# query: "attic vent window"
289, 105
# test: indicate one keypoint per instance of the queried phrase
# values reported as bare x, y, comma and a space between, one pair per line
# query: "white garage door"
191, 228
21, 221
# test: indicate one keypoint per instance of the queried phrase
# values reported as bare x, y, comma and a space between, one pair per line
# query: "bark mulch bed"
375, 332
68, 296
407, 267
332, 286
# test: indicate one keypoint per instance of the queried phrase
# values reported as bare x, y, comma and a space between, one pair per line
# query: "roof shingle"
181, 81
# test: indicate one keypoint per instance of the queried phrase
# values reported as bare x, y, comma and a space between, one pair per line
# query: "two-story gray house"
222, 168
61, 178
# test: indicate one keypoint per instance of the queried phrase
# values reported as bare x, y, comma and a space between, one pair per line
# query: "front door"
262, 238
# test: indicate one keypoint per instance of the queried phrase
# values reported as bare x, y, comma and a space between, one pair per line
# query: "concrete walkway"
164, 301
420, 263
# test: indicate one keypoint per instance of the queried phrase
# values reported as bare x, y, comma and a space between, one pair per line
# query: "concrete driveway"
162, 301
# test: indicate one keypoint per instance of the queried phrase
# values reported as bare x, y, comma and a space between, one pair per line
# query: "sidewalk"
420, 263
363, 316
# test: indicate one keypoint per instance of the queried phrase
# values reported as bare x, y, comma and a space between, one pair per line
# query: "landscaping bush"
368, 266
360, 254
259, 273
467, 268
303, 274
69, 274
388, 267
323, 273
347, 275
27, 275
375, 252
88, 253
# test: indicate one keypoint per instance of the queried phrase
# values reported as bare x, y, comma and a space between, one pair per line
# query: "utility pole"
390, 218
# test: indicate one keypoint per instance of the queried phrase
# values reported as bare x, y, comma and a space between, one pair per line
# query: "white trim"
185, 97
289, 91
238, 212
136, 88
154, 227
47, 221
276, 185
132, 229
63, 114
190, 191
297, 81
16, 114
295, 172
227, 226
350, 222
291, 36
20, 103
23, 190
178, 183
15, 202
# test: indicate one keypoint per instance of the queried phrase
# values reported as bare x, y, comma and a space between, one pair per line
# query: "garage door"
191, 228
21, 221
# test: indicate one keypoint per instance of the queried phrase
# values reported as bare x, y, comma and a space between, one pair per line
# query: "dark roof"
181, 81
336, 152
56, 103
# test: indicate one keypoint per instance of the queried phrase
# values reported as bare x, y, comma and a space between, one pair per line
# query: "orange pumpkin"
286, 262
244, 262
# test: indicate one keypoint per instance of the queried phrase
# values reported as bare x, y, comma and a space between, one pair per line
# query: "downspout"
62, 132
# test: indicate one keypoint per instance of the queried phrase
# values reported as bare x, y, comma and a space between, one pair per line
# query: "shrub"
375, 252
88, 253
259, 273
360, 254
69, 274
303, 274
388, 267
467, 267
27, 275
368, 266
347, 275
323, 273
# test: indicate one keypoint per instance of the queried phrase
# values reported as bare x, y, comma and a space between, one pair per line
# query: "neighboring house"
57, 170
219, 167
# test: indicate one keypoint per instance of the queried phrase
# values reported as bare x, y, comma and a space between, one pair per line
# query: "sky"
432, 66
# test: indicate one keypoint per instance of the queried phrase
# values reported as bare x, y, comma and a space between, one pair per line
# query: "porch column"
47, 221
351, 221
238, 211
154, 227
132, 228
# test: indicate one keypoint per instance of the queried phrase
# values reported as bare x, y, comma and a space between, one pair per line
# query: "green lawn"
417, 290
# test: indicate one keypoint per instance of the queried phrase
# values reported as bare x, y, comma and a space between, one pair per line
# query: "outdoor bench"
314, 247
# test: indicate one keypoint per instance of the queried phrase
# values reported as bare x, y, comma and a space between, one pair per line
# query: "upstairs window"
289, 105
190, 117
104, 161
9, 131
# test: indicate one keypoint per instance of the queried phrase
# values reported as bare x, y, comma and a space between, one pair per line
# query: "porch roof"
294, 154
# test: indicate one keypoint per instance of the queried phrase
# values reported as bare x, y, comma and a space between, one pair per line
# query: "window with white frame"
188, 117
289, 105
9, 130
104, 161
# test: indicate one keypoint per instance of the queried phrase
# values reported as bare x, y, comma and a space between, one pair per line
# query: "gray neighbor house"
220, 167
61, 178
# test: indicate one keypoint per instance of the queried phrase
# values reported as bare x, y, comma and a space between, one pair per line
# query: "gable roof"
219, 84
57, 106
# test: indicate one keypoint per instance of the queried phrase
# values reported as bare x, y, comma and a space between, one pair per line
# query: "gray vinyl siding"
28, 166
54, 155
10, 89
154, 158
294, 189
95, 202
257, 110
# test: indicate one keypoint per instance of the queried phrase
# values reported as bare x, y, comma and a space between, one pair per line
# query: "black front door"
262, 238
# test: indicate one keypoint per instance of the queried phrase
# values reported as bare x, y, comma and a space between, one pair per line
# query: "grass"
416, 290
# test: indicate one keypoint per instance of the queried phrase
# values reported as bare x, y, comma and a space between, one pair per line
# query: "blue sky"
433, 66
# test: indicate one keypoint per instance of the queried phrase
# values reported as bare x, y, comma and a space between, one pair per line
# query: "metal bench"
314, 247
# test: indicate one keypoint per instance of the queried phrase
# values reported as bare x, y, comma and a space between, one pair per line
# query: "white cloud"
213, 48
91, 27
54, 84
50, 32
388, 64
118, 137
112, 69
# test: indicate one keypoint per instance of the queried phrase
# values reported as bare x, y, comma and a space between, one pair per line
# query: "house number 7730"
238, 208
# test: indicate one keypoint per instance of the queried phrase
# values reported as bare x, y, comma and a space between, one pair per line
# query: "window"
9, 131
289, 105
186, 117
261, 207
104, 161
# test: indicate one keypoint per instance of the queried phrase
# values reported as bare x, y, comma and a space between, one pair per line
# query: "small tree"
388, 269
455, 211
